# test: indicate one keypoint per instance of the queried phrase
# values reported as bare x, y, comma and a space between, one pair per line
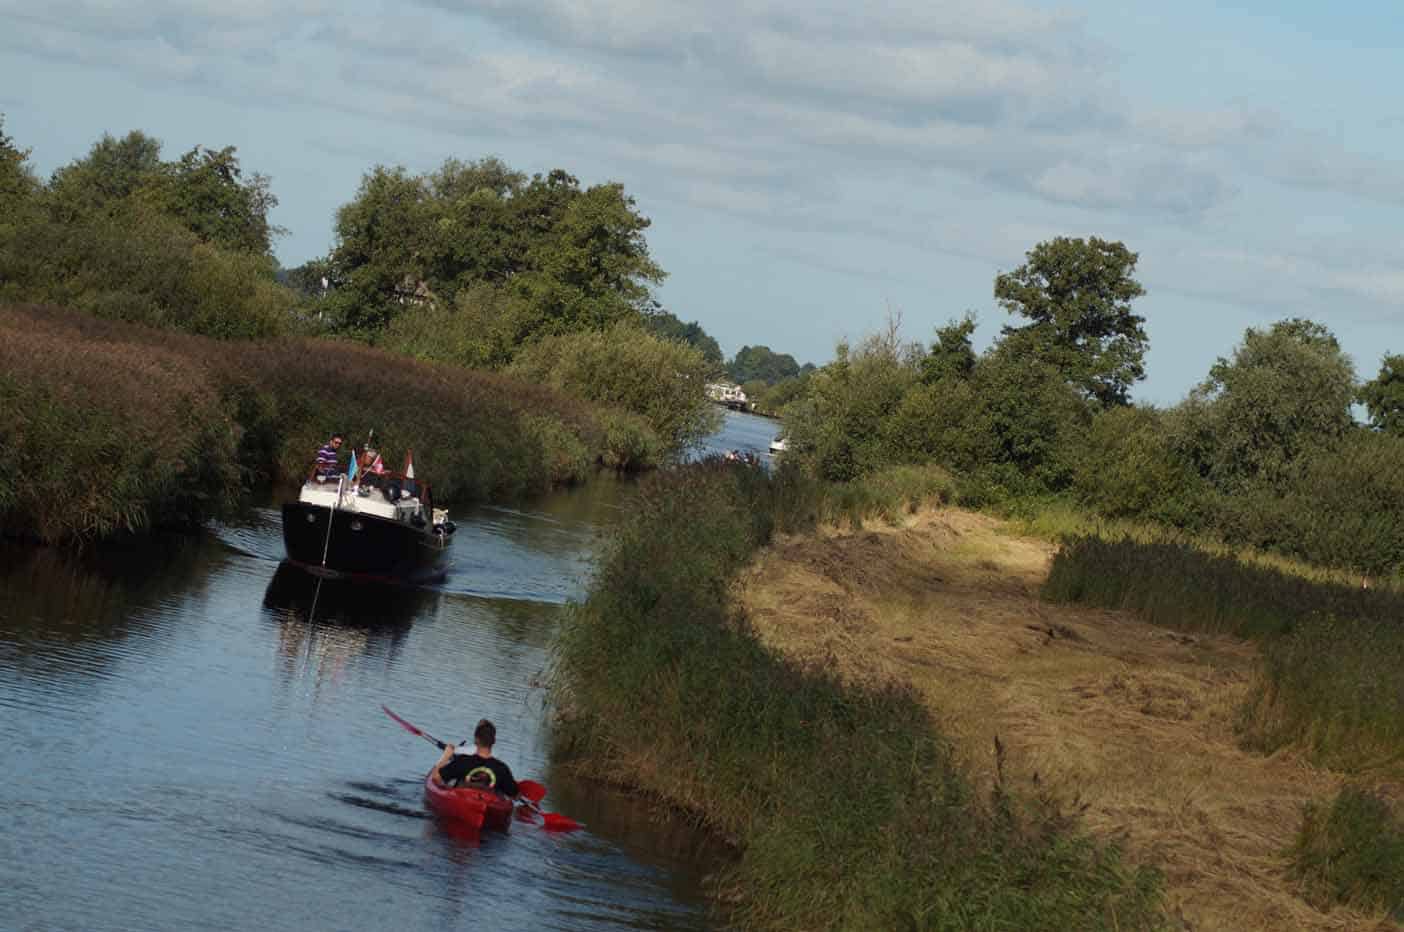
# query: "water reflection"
71, 612
326, 624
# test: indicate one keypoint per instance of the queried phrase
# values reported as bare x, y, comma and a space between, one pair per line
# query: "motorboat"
381, 526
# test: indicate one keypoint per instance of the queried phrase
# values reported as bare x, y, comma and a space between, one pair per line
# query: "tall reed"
111, 426
1351, 852
1332, 678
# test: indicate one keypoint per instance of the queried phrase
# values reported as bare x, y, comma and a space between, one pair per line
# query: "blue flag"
351, 472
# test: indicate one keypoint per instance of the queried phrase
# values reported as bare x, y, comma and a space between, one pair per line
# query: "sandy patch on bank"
1131, 721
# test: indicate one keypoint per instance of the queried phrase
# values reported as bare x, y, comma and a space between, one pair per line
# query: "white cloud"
792, 115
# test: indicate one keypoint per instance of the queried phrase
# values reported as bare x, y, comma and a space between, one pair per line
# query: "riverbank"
1136, 725
849, 805
111, 427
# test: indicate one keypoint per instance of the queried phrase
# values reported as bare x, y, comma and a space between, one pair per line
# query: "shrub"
627, 367
141, 266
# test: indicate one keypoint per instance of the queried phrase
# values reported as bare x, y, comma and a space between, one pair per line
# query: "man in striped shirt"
327, 467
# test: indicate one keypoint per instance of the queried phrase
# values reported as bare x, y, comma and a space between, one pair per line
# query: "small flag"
351, 472
409, 464
378, 467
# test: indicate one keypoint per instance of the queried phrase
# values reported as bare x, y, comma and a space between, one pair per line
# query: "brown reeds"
115, 426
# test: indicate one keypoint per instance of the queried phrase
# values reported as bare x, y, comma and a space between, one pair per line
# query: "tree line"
469, 265
476, 265
1264, 451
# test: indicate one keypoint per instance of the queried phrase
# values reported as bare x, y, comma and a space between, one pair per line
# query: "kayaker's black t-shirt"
493, 774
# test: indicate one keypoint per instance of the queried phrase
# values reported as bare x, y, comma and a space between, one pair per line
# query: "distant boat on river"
778, 445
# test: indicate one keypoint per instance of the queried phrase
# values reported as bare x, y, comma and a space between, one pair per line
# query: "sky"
811, 167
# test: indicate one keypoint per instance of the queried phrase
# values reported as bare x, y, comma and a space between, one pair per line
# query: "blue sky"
810, 168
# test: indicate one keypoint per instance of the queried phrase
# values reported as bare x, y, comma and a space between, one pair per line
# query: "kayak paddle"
414, 731
530, 791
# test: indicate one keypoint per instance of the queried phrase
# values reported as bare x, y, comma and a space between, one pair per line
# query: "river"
193, 737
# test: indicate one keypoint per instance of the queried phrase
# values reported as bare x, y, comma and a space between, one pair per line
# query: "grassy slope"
848, 807
1134, 722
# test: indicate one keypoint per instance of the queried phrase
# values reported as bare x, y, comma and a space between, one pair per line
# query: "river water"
192, 737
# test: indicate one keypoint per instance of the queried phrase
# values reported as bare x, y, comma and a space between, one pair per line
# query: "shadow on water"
324, 624
75, 609
294, 594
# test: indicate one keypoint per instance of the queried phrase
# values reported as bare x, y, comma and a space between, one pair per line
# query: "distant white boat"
778, 445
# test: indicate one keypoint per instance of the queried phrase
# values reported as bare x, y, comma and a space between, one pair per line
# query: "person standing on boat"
459, 767
326, 466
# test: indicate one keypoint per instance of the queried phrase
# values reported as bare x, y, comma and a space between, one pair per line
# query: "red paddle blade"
403, 724
555, 822
530, 789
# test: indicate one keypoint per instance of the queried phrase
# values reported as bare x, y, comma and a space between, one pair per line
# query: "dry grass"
1131, 723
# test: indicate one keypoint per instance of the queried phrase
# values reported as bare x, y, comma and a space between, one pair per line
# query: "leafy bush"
1129, 468
628, 367
140, 266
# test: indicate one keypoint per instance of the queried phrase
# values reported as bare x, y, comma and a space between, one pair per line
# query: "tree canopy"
1383, 396
565, 258
668, 326
1285, 391
17, 181
204, 189
952, 354
753, 363
1077, 297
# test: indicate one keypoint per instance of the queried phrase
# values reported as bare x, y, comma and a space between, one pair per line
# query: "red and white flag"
409, 464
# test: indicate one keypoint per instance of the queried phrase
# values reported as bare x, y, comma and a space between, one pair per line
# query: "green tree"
18, 184
840, 428
758, 362
1077, 297
574, 259
113, 172
1383, 396
668, 326
952, 354
205, 188
1284, 392
377, 262
1129, 468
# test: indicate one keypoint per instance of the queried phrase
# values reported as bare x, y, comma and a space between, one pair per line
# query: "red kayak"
478, 808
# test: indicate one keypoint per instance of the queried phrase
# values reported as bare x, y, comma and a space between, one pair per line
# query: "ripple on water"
199, 741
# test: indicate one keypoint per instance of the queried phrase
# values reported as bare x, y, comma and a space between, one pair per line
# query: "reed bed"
846, 803
111, 426
1352, 852
1332, 678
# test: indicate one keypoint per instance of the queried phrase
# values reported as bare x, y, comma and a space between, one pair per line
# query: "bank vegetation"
159, 365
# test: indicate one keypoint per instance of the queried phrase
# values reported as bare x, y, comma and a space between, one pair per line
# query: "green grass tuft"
1351, 853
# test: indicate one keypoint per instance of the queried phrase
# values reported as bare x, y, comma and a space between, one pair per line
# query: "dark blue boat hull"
360, 545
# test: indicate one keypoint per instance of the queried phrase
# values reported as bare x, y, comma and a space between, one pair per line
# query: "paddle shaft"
413, 730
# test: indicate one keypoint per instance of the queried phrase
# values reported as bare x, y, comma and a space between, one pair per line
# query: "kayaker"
458, 767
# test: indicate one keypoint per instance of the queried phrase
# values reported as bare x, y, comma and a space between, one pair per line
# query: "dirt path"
1134, 722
